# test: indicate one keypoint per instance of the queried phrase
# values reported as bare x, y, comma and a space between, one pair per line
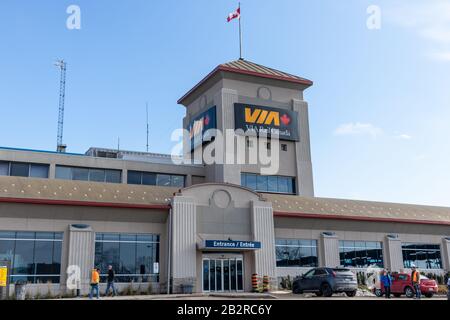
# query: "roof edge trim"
84, 203
367, 219
304, 82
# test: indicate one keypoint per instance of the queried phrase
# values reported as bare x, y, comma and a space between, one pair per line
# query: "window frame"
287, 182
88, 174
296, 248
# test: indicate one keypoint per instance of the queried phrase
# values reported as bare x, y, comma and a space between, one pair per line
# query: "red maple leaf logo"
206, 121
285, 119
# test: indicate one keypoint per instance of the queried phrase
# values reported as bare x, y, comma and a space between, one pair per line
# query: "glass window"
132, 256
35, 257
4, 168
6, 249
80, 174
423, 256
39, 171
127, 258
291, 185
20, 169
63, 173
296, 253
7, 235
88, 174
251, 181
113, 176
97, 175
276, 184
44, 235
43, 257
25, 235
283, 184
272, 184
178, 181
149, 179
134, 177
163, 180
261, 183
360, 254
243, 181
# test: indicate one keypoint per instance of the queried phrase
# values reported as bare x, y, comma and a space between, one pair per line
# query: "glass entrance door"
223, 275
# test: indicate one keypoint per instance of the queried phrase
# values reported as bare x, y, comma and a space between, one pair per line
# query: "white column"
393, 256
446, 254
224, 101
329, 250
263, 230
305, 186
184, 233
81, 253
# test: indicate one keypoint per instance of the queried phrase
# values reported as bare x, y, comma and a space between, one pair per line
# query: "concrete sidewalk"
199, 296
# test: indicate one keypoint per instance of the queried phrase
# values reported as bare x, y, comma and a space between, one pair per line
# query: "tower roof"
245, 67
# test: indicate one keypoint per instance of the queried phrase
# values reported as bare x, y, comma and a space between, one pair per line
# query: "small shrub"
128, 291
286, 283
361, 278
442, 289
38, 295
49, 294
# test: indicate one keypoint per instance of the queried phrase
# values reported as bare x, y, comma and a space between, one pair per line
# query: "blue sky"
379, 107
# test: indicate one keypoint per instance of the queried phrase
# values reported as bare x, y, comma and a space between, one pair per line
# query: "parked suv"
326, 281
402, 284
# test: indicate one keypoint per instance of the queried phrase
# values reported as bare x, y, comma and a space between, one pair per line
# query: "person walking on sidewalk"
95, 280
415, 279
110, 282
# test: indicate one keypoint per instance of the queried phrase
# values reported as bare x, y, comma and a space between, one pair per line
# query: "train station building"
164, 226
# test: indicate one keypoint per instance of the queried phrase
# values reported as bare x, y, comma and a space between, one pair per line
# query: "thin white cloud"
443, 56
403, 136
429, 19
358, 129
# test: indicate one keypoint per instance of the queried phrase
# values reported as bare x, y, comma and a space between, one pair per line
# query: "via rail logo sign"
268, 121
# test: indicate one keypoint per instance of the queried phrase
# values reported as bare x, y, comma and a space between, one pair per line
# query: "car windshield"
423, 278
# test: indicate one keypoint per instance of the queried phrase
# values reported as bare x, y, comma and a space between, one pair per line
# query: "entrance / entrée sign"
228, 244
258, 120
199, 126
3, 276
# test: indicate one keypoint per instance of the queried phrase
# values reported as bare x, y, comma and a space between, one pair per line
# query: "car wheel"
429, 295
378, 293
326, 290
350, 293
319, 294
409, 292
397, 295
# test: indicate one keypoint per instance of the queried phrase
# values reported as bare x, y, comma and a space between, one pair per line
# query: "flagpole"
240, 34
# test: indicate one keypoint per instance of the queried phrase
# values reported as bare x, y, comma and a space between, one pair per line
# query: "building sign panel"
199, 126
258, 120
228, 244
3, 276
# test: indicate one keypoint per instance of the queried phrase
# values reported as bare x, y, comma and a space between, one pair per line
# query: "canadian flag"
234, 15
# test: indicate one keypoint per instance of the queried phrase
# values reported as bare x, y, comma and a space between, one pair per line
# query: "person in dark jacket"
110, 282
386, 280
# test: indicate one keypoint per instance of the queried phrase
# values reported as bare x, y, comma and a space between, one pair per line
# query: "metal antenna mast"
146, 108
62, 65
